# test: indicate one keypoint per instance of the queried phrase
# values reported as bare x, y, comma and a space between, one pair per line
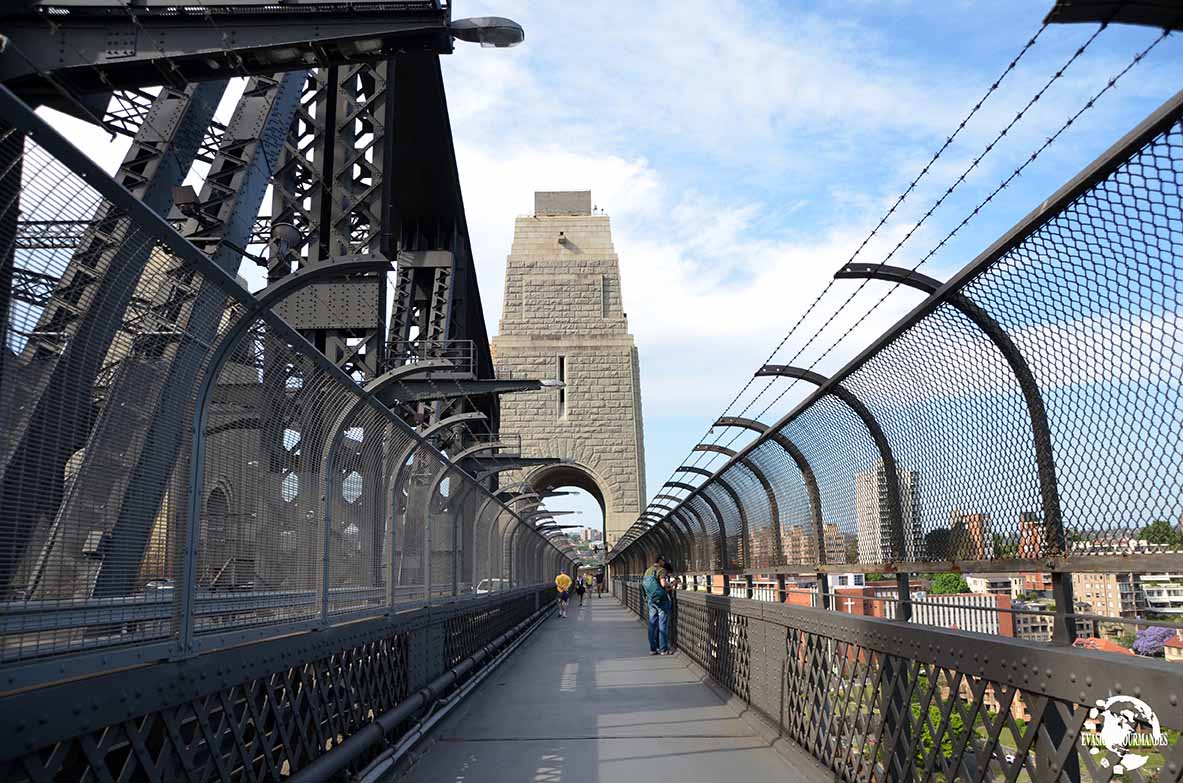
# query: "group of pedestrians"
657, 583
583, 585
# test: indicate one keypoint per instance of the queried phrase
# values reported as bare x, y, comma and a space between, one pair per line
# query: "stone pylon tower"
563, 318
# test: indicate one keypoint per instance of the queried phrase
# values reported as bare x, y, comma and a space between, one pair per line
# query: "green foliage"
951, 737
938, 543
1005, 547
1160, 532
949, 583
852, 550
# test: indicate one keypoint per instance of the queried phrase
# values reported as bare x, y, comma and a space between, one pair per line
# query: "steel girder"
328, 197
105, 46
227, 205
88, 307
225, 211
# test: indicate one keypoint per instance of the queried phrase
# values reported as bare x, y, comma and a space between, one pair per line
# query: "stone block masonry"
563, 318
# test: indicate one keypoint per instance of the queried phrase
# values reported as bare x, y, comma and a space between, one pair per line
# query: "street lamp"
494, 32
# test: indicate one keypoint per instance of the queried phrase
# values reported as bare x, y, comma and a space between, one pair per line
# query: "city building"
1163, 594
971, 536
1031, 537
1034, 624
835, 542
1037, 583
847, 580
870, 598
973, 612
799, 545
1110, 594
874, 516
995, 584
1172, 650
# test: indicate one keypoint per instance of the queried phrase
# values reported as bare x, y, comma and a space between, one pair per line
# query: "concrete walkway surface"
582, 700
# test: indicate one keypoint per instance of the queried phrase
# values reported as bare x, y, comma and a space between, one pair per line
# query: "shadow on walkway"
582, 700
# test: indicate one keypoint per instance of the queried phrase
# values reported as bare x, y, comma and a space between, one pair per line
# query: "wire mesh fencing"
1028, 412
180, 468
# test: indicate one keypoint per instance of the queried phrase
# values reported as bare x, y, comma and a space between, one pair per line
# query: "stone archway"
563, 319
552, 477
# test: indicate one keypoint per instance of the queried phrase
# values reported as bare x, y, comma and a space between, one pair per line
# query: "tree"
937, 543
951, 737
949, 583
1148, 641
1160, 532
1005, 547
851, 549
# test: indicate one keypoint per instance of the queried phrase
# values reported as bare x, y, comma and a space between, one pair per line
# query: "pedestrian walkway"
581, 701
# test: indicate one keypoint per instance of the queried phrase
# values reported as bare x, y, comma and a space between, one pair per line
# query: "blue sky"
744, 150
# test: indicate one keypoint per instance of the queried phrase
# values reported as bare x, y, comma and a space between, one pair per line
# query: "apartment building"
995, 584
1112, 594
1162, 594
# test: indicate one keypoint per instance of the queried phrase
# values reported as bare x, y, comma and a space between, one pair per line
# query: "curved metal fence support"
683, 540
697, 543
708, 541
724, 550
719, 541
745, 542
807, 475
894, 507
219, 355
1041, 433
893, 700
811, 488
456, 536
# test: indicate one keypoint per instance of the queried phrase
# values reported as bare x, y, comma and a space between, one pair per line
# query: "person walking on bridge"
654, 586
563, 583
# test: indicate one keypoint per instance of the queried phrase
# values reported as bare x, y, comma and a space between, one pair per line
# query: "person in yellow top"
563, 583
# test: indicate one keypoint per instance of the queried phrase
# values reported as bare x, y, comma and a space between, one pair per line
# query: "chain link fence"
182, 470
1027, 414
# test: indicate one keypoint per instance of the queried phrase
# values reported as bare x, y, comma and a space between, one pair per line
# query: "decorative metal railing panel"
1027, 414
876, 700
259, 713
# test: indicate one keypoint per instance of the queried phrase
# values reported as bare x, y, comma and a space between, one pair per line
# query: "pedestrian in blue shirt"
657, 598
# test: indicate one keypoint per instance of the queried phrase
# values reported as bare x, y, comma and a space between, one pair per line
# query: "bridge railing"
878, 700
1027, 414
269, 710
180, 469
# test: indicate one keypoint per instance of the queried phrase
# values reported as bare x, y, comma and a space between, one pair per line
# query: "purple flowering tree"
1148, 641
